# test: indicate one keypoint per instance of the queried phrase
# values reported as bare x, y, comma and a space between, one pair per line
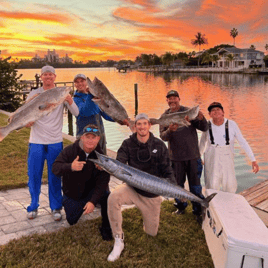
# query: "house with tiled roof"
242, 58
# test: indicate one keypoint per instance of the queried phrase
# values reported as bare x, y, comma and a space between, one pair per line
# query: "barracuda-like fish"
176, 118
106, 101
38, 106
145, 181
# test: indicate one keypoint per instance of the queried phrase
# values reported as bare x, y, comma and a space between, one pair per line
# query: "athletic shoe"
56, 214
178, 212
32, 214
118, 248
106, 233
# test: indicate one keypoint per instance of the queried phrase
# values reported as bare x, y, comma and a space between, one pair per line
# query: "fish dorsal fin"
31, 98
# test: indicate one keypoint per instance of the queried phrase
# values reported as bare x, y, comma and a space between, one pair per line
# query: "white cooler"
235, 235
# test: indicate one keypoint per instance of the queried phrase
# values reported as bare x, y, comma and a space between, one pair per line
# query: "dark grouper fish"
38, 106
106, 101
176, 118
145, 181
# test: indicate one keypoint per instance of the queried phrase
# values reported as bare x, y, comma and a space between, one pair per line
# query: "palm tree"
266, 47
199, 40
215, 58
167, 58
206, 58
234, 34
230, 58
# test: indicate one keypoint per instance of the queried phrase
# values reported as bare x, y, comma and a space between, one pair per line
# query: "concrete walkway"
13, 215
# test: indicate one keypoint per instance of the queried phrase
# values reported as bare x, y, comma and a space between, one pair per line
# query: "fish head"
61, 92
106, 163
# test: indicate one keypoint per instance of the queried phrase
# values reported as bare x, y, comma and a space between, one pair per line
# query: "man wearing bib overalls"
217, 144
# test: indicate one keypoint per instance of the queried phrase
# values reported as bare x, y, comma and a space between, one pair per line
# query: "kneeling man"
147, 153
83, 184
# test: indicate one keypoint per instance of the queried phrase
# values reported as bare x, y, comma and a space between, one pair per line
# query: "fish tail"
206, 201
3, 133
153, 121
132, 125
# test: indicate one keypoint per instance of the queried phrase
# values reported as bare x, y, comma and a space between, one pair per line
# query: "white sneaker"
118, 248
56, 214
32, 214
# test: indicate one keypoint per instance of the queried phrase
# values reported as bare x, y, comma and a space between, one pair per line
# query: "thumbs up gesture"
77, 165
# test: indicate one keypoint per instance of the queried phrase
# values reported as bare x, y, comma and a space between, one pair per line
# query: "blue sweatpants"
37, 155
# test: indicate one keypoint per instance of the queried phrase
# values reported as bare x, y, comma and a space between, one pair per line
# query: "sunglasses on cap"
89, 129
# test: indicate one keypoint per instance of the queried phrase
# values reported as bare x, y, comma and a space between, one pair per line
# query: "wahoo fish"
147, 182
177, 118
34, 108
106, 101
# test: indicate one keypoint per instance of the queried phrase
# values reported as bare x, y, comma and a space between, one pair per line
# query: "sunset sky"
123, 29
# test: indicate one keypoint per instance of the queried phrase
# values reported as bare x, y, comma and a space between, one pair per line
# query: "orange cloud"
56, 18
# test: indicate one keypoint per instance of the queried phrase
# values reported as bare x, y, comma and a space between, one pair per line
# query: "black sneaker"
199, 219
106, 233
179, 212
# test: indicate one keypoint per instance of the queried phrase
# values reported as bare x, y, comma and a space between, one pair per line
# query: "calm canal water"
244, 98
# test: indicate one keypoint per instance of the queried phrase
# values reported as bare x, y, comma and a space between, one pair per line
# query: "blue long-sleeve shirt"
89, 112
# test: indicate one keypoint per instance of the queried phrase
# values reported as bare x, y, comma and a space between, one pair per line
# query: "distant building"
37, 58
52, 57
242, 58
66, 59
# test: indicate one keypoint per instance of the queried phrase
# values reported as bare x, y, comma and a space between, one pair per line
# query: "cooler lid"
241, 224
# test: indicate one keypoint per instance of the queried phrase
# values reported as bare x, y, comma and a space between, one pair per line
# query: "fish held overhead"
177, 118
36, 107
106, 101
147, 182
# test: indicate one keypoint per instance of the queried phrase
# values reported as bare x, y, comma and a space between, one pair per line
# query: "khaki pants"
149, 207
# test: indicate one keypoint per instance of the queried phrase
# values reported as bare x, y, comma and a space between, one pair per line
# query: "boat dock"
257, 197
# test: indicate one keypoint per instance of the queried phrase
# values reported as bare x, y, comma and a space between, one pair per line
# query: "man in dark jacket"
147, 153
83, 184
184, 151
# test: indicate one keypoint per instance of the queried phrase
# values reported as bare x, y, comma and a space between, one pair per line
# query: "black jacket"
78, 184
183, 143
151, 157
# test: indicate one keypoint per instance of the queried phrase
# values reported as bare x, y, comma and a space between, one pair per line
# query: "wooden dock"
257, 197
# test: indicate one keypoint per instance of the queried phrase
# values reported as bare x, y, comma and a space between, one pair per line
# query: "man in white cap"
45, 144
89, 112
145, 152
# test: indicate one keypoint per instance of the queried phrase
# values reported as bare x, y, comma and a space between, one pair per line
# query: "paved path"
13, 214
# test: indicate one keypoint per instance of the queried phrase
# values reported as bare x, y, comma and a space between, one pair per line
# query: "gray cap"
141, 116
48, 69
80, 76
92, 129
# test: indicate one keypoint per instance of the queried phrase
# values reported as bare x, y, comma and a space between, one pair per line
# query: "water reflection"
244, 98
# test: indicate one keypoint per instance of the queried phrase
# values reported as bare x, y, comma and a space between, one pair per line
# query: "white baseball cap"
48, 69
80, 76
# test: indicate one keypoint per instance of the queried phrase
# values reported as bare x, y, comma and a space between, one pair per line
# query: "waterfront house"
241, 58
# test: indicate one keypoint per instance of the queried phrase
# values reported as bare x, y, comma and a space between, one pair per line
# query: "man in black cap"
217, 144
184, 151
83, 184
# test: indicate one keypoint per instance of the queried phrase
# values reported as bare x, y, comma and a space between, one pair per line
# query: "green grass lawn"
180, 243
13, 158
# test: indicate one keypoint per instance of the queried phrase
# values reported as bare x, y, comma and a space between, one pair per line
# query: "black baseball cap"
92, 129
172, 93
214, 105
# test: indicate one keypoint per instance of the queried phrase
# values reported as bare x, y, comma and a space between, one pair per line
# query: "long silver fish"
106, 101
176, 118
36, 107
147, 182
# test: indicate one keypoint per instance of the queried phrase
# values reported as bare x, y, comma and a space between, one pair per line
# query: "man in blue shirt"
89, 112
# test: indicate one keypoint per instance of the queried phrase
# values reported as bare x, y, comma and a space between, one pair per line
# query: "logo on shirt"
154, 151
